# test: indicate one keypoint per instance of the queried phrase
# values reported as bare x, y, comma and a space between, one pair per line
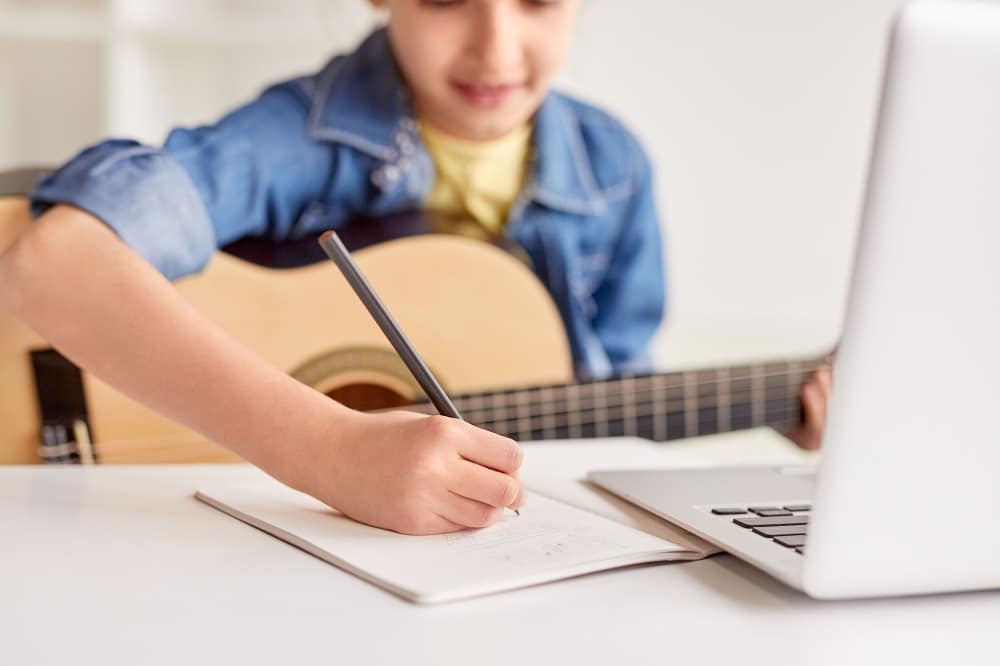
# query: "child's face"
479, 68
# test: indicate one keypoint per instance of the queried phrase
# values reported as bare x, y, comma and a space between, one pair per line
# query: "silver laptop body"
907, 496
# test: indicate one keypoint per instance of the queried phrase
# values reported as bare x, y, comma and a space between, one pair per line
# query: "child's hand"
815, 399
415, 474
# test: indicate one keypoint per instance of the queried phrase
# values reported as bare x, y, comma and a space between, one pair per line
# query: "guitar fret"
522, 408
630, 426
707, 403
690, 415
548, 419
476, 402
601, 408
499, 405
795, 375
756, 396
660, 417
775, 395
722, 399
575, 428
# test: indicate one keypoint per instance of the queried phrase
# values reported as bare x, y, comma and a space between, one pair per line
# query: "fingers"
430, 524
493, 451
522, 494
441, 525
448, 475
825, 377
487, 486
815, 400
469, 513
812, 407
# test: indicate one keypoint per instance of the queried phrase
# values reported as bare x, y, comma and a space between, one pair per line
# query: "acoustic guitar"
478, 315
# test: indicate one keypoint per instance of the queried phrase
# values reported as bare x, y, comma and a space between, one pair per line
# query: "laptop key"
728, 512
767, 521
791, 541
758, 509
780, 530
798, 507
773, 512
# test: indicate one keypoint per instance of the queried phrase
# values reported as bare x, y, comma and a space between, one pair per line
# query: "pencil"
335, 249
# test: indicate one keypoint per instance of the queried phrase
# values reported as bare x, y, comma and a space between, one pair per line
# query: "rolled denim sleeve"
144, 196
250, 174
631, 300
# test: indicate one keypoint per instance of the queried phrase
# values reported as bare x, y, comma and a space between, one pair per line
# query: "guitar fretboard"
659, 407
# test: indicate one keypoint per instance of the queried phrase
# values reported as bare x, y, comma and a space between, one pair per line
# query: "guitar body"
477, 315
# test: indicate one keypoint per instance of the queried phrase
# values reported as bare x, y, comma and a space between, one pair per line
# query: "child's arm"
71, 279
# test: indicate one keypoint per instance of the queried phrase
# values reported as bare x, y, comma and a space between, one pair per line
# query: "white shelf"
244, 32
74, 71
52, 24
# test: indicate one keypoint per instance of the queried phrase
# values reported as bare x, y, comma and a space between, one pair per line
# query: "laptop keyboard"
785, 525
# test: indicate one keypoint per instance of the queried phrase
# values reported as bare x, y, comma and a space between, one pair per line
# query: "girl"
447, 109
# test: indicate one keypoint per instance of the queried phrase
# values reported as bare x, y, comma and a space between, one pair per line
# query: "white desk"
122, 566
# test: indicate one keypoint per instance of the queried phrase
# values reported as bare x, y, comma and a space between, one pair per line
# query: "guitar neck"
659, 407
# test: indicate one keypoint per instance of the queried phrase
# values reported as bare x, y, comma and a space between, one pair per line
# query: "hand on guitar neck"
815, 398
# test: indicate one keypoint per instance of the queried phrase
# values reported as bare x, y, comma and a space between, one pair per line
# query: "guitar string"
651, 383
789, 414
643, 408
789, 417
652, 400
485, 403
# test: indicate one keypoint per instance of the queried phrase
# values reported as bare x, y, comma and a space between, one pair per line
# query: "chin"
486, 127
478, 124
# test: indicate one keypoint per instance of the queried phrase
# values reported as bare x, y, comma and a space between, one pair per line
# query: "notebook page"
549, 471
582, 494
548, 541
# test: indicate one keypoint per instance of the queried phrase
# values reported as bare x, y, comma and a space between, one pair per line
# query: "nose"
496, 40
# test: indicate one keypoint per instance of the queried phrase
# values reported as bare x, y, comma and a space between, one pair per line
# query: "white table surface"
120, 565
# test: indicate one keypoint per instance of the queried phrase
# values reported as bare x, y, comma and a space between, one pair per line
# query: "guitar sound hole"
368, 397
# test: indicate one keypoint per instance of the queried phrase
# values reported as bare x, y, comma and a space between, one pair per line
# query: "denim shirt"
312, 153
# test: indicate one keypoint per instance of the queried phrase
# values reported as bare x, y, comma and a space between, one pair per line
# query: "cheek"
546, 53
424, 58
545, 63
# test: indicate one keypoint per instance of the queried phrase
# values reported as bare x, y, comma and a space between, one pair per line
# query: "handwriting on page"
525, 540
503, 532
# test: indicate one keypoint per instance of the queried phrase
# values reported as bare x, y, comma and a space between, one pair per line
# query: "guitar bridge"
65, 434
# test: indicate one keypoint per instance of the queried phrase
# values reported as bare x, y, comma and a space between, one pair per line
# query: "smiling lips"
485, 95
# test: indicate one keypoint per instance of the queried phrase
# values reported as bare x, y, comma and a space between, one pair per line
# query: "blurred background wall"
758, 116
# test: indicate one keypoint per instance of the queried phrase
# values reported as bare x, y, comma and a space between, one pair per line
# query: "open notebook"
549, 541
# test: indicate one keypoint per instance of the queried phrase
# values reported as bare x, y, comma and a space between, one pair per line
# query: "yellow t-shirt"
478, 180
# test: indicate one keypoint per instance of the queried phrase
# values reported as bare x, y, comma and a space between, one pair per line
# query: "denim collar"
361, 101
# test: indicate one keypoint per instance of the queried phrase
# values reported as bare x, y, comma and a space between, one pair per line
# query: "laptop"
905, 497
